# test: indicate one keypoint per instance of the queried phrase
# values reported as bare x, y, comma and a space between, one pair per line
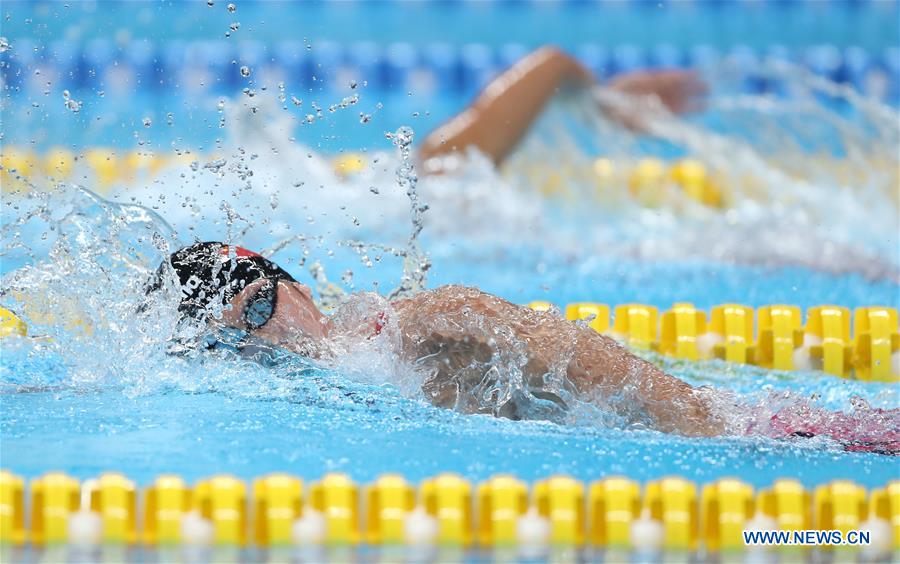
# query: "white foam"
195, 530
880, 538
532, 534
760, 522
646, 533
707, 342
420, 528
310, 528
84, 528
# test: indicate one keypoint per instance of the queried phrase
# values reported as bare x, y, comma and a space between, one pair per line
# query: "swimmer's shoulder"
455, 297
458, 293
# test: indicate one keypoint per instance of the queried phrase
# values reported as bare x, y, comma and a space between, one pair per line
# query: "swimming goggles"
261, 306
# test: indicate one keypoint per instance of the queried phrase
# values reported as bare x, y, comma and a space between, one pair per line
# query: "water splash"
415, 262
809, 179
264, 182
80, 299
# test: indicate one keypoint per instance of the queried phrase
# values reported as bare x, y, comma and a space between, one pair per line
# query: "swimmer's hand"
633, 99
680, 91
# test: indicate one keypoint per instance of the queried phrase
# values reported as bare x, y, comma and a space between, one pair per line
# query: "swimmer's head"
232, 287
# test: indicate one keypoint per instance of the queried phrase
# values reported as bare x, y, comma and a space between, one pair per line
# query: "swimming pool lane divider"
651, 182
648, 180
447, 510
781, 340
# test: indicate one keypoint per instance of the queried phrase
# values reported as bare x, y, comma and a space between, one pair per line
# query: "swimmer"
451, 334
456, 335
501, 115
263, 300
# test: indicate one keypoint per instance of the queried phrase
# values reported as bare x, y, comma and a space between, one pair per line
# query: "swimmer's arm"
601, 367
503, 112
505, 109
604, 365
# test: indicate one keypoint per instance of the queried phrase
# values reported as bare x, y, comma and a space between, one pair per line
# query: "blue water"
248, 420
309, 431
86, 407
721, 23
526, 274
70, 408
319, 423
116, 120
127, 61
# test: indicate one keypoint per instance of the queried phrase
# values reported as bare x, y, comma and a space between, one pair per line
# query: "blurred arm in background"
501, 115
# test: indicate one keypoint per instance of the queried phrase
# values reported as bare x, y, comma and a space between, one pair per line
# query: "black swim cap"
210, 272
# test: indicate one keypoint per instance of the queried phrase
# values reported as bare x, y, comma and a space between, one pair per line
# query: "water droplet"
232, 8
221, 105
210, 3
216, 166
147, 122
4, 45
245, 71
352, 84
364, 118
234, 26
403, 137
71, 104
297, 101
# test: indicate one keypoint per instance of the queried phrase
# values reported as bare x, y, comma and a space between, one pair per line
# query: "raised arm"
502, 113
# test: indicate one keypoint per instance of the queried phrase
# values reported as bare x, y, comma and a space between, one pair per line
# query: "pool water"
84, 407
315, 423
811, 219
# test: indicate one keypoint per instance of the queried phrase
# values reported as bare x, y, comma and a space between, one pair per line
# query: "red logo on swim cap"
239, 251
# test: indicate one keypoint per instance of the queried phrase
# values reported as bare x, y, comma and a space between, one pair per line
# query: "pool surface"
157, 142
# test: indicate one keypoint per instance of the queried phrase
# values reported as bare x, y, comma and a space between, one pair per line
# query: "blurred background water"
421, 60
125, 87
